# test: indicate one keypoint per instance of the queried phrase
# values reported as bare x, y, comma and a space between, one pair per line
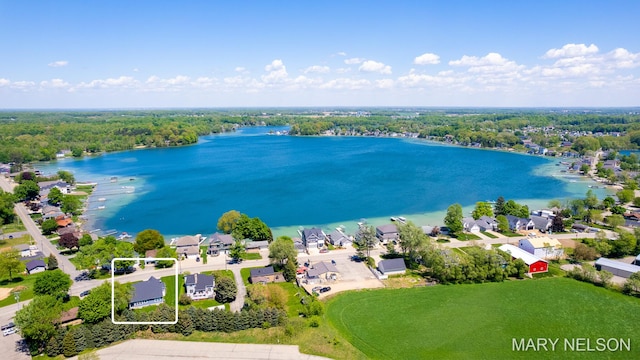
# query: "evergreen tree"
69, 344
498, 208
52, 262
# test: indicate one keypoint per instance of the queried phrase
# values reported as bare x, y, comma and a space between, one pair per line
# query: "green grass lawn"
20, 280
246, 274
510, 234
251, 256
466, 236
489, 235
13, 227
479, 321
25, 239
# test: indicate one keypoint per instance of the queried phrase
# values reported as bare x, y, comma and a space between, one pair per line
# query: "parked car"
325, 289
83, 276
85, 293
323, 250
333, 262
8, 329
316, 289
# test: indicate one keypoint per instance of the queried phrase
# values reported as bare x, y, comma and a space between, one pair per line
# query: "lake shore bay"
291, 182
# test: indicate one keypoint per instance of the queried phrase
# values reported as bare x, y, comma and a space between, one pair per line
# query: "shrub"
184, 299
314, 322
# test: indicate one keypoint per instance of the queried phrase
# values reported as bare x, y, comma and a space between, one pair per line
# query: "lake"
290, 182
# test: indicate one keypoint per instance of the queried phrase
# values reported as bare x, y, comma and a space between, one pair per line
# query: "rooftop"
518, 253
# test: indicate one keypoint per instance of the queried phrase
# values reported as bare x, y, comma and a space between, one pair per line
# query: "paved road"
142, 349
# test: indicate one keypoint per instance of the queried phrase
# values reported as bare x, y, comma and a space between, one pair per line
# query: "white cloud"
489, 59
240, 69
353, 61
277, 72
571, 50
623, 59
23, 85
385, 83
59, 63
346, 83
4, 82
343, 70
55, 83
317, 69
427, 59
374, 66
205, 82
120, 82
342, 53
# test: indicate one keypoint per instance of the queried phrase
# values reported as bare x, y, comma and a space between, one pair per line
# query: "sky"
159, 54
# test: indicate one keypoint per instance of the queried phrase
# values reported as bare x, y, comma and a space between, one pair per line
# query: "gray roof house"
339, 238
199, 286
541, 223
516, 223
469, 225
256, 245
487, 223
219, 242
321, 271
313, 238
265, 275
392, 266
35, 266
145, 293
387, 232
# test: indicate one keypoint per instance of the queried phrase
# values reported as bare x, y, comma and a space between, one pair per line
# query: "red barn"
536, 265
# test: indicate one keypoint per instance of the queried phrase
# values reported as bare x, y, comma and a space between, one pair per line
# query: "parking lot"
352, 275
11, 344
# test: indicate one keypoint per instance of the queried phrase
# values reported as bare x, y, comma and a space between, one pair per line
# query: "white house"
469, 225
542, 246
188, 246
313, 238
199, 286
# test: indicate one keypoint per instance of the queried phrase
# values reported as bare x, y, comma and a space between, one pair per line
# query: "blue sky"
132, 54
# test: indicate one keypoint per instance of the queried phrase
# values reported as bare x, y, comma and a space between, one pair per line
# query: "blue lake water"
305, 181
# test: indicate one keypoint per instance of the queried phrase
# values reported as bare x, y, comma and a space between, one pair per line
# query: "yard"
480, 320
20, 282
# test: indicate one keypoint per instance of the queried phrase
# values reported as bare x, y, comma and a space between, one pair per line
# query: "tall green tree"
237, 250
66, 176
27, 190
252, 228
148, 239
412, 239
10, 264
97, 305
36, 319
503, 223
52, 262
365, 240
453, 219
282, 250
54, 283
70, 204
49, 226
591, 200
166, 252
55, 196
225, 289
482, 209
498, 208
6, 207
227, 222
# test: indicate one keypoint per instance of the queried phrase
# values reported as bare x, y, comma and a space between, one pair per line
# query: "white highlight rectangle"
113, 319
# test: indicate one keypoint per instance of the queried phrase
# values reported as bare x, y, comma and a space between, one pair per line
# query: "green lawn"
479, 321
13, 227
489, 235
251, 256
24, 239
466, 236
20, 280
246, 274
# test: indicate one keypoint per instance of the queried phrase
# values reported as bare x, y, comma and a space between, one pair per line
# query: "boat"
102, 199
114, 179
393, 218
101, 207
402, 219
123, 236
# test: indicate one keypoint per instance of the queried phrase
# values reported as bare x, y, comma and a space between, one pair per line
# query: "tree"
625, 196
583, 252
237, 250
225, 289
503, 223
252, 228
85, 240
605, 278
482, 209
70, 204
49, 226
97, 305
36, 319
584, 168
498, 208
66, 177
557, 225
591, 201
227, 222
282, 250
614, 220
166, 252
289, 271
412, 239
6, 207
453, 219
585, 143
148, 239
54, 283
555, 203
27, 190
55, 196
365, 240
68, 240
10, 263
608, 202
52, 262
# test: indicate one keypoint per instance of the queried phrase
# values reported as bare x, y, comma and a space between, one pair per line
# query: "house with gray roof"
339, 238
469, 225
313, 238
517, 223
321, 271
392, 266
487, 223
146, 293
199, 286
541, 223
219, 243
35, 266
386, 233
265, 275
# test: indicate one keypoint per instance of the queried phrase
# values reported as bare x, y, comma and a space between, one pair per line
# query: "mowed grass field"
479, 321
